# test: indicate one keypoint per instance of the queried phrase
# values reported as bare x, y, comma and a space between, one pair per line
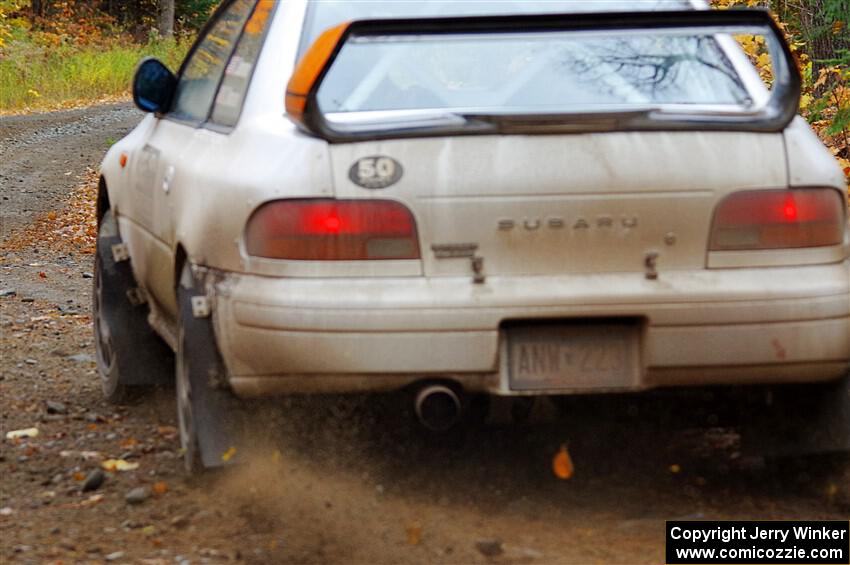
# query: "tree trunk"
824, 43
38, 8
39, 11
166, 18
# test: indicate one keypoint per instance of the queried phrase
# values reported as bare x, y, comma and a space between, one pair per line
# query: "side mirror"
153, 86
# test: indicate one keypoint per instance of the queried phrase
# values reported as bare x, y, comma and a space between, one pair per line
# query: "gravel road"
344, 480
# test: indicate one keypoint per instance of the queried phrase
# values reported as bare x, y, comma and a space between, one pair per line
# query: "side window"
202, 72
237, 74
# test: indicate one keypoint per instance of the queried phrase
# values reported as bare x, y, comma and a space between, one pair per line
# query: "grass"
34, 77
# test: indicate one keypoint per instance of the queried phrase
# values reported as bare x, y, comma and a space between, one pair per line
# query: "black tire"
129, 354
211, 418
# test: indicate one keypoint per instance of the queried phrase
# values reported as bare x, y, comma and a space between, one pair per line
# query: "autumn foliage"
68, 52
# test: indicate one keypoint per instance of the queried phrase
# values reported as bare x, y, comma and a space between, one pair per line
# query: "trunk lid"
574, 203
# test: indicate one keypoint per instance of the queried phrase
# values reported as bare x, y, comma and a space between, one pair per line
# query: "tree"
824, 25
39, 7
166, 18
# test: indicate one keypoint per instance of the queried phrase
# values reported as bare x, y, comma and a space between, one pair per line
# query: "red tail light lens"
779, 219
332, 230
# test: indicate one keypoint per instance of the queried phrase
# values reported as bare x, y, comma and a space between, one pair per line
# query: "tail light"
779, 219
332, 230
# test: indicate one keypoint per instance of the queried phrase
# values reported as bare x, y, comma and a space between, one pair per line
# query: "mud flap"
219, 416
801, 420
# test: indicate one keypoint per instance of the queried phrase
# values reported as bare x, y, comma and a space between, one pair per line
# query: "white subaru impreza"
475, 198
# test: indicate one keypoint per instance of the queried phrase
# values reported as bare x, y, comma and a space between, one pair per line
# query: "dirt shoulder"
42, 156
333, 480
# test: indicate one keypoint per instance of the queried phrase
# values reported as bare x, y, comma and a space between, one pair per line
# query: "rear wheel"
128, 352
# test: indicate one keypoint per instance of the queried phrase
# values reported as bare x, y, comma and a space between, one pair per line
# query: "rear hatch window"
524, 72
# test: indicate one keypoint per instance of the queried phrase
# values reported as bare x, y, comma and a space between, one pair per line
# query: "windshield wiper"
430, 122
479, 122
597, 120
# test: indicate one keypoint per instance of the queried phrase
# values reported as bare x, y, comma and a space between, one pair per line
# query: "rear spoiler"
774, 116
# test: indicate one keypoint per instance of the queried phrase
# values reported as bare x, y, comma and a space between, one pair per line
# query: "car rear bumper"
766, 325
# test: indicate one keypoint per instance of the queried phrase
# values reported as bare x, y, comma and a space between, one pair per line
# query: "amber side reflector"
123, 160
308, 70
779, 219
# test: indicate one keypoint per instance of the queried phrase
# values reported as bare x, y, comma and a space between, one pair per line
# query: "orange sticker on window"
257, 21
309, 68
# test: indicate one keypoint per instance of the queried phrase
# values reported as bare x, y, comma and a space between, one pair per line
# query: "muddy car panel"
566, 227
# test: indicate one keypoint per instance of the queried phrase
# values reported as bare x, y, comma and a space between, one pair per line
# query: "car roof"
324, 14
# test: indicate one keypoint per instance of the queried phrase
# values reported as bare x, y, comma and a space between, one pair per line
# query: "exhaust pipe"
438, 407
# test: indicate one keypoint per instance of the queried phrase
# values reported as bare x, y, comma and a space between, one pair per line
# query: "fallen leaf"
18, 434
562, 464
831, 490
79, 476
119, 465
414, 533
160, 488
92, 500
228, 455
128, 442
166, 430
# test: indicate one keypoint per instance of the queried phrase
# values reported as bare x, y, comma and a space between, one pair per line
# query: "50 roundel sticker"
377, 171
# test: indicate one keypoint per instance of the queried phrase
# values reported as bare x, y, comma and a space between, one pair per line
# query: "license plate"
574, 357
